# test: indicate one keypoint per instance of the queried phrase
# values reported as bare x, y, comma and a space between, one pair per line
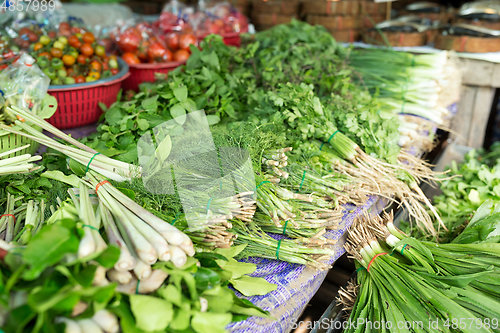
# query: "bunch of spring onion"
422, 85
260, 244
106, 166
17, 164
416, 132
412, 286
19, 224
315, 121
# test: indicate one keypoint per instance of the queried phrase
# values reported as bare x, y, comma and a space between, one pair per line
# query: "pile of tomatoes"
139, 44
73, 57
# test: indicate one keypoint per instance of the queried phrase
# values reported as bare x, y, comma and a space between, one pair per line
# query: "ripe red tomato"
74, 41
181, 55
79, 79
105, 66
33, 37
129, 40
130, 58
172, 40
88, 37
157, 52
24, 31
52, 34
142, 50
46, 54
82, 59
64, 29
114, 71
186, 40
87, 49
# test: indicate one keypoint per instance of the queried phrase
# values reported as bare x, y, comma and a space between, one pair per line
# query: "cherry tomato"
52, 34
82, 59
79, 79
56, 53
105, 66
74, 41
114, 71
95, 66
45, 40
46, 54
37, 46
100, 51
130, 58
186, 40
172, 40
142, 51
93, 76
88, 38
76, 30
24, 31
129, 40
157, 52
181, 55
33, 37
87, 49
113, 56
68, 60
64, 29
70, 70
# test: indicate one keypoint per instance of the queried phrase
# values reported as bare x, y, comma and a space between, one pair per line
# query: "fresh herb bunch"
465, 189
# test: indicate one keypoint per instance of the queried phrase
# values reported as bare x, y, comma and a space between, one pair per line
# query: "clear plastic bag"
23, 83
174, 17
221, 18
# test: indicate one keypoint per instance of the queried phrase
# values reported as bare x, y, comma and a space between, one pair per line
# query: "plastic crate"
78, 104
9, 141
140, 73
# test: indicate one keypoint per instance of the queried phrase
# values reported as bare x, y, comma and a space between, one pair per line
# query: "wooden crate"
342, 7
336, 22
395, 38
373, 8
281, 7
144, 7
467, 43
268, 20
347, 36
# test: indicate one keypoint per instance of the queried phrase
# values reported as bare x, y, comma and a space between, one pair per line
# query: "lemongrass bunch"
102, 164
17, 164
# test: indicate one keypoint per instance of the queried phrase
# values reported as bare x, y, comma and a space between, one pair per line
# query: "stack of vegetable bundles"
99, 252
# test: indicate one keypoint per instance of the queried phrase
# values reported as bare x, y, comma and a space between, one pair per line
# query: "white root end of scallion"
142, 270
89, 326
120, 277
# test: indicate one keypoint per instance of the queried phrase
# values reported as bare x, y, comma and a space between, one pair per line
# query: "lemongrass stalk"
29, 116
142, 270
107, 321
120, 277
71, 326
12, 151
99, 275
154, 238
125, 262
89, 326
171, 233
144, 249
88, 217
178, 256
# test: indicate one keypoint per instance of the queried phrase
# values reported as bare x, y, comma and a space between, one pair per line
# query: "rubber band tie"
91, 227
279, 241
373, 259
208, 204
1, 92
99, 185
302, 182
9, 215
137, 287
403, 249
331, 137
360, 269
175, 218
88, 165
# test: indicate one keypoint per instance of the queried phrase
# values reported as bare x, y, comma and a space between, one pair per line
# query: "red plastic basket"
78, 104
140, 73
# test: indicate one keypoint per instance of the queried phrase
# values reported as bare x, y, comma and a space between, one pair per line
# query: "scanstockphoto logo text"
462, 323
